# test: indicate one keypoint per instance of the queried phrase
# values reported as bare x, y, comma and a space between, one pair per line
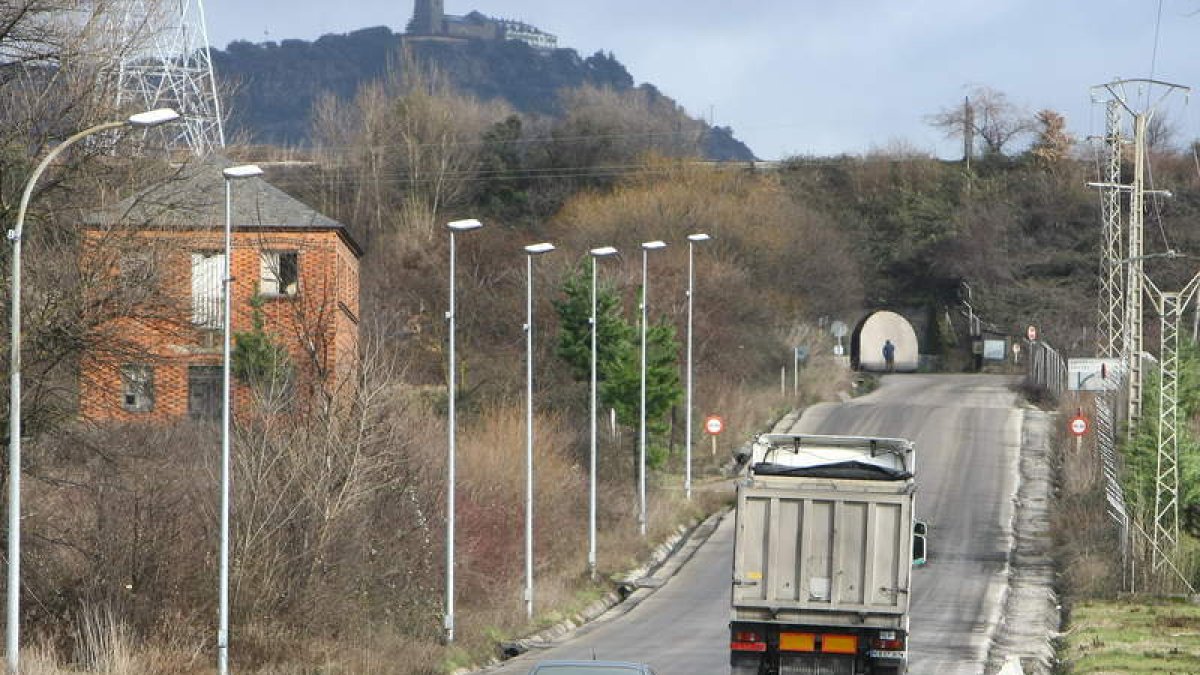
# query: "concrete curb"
1030, 615
633, 587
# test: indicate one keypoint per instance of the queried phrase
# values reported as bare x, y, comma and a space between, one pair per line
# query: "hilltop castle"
430, 19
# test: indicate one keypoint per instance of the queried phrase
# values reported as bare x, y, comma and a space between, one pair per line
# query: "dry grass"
1086, 538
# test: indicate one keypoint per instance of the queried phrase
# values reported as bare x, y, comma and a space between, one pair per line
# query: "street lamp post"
646, 248
596, 254
693, 239
454, 226
231, 174
150, 118
530, 252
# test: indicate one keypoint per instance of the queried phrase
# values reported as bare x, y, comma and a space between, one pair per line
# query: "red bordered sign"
714, 425
1078, 425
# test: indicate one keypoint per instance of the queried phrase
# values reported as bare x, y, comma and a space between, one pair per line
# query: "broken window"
137, 383
280, 273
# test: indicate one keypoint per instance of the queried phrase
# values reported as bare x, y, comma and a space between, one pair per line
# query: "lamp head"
464, 225
243, 171
153, 118
652, 245
699, 236
603, 251
538, 249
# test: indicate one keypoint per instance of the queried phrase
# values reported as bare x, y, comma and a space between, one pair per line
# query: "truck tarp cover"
852, 470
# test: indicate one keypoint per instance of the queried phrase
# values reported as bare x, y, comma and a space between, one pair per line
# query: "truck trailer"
823, 553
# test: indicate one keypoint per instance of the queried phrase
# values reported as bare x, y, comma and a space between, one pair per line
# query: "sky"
829, 77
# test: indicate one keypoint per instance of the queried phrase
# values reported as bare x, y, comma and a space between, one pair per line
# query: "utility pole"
1135, 275
968, 131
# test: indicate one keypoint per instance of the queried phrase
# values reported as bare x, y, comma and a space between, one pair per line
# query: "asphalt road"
967, 431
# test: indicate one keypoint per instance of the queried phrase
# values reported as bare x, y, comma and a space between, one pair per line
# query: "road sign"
713, 425
1093, 374
1079, 425
1031, 332
839, 329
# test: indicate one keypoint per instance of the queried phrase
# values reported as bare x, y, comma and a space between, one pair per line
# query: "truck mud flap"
744, 664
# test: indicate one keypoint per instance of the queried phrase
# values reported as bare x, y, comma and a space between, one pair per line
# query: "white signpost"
839, 329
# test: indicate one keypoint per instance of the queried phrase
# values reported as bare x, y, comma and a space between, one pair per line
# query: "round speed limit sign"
713, 425
1079, 425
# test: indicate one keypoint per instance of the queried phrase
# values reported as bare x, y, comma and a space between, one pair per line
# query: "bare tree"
989, 116
412, 140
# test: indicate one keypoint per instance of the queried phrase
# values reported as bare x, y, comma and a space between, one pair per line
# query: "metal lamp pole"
693, 239
230, 174
454, 226
646, 248
150, 118
530, 251
596, 254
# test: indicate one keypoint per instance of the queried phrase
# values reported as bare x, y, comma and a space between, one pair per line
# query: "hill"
275, 84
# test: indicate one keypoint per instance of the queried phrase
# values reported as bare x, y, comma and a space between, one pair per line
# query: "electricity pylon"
1110, 332
159, 57
1134, 262
1170, 308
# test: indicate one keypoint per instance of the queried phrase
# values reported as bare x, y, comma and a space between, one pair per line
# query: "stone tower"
427, 17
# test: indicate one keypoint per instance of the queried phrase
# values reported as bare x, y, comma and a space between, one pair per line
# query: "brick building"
161, 253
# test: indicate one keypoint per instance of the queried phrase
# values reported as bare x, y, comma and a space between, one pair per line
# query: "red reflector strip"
748, 646
839, 644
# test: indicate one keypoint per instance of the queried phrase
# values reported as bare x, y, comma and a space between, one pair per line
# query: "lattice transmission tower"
1110, 331
1170, 306
159, 57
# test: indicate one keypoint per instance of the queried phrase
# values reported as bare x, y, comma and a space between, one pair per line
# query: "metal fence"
1046, 369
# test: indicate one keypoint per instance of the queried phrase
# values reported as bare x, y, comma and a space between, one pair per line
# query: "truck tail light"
747, 641
888, 641
839, 644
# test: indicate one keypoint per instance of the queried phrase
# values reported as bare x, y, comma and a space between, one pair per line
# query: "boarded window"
208, 271
137, 384
204, 392
280, 273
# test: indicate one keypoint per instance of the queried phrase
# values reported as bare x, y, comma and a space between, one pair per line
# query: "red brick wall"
318, 325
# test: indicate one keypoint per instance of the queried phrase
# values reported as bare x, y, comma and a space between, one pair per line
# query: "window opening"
280, 273
137, 383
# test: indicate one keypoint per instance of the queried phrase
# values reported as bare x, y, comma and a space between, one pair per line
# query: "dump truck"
823, 553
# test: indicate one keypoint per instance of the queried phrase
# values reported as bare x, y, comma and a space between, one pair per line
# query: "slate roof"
194, 198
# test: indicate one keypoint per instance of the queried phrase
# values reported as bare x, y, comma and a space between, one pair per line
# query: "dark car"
590, 668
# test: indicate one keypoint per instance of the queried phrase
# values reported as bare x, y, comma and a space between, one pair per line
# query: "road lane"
967, 432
